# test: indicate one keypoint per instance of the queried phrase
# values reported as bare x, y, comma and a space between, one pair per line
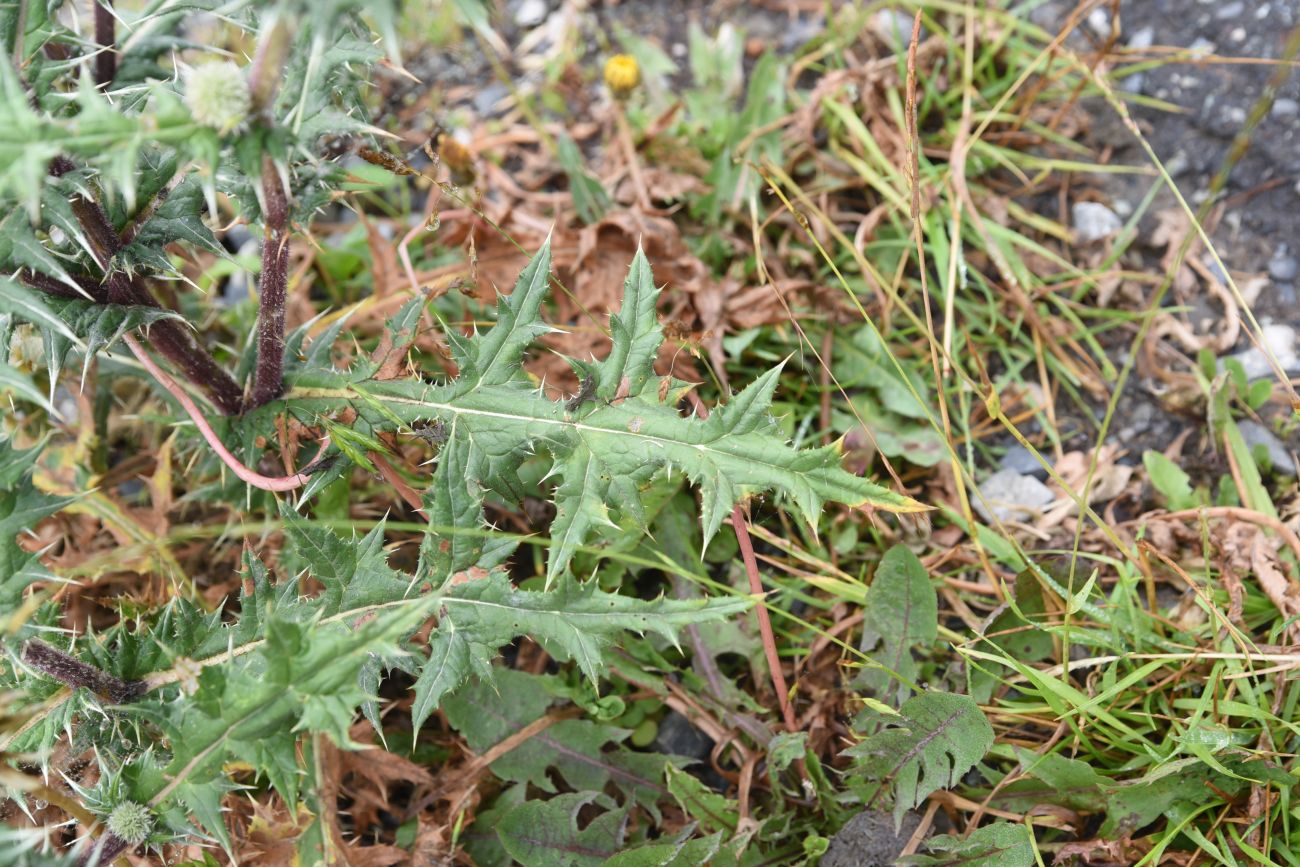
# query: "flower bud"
217, 95
622, 75
131, 821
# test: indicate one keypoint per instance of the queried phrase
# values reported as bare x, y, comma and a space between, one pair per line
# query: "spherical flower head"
217, 95
131, 821
622, 75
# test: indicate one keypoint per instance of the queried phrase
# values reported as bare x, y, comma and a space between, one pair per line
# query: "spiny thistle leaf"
32, 306
21, 507
606, 449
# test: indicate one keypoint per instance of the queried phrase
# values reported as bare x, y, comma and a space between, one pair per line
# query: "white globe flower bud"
131, 821
217, 95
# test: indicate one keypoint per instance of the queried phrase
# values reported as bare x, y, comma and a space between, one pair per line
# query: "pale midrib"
659, 441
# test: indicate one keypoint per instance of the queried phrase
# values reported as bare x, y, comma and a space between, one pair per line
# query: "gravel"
1281, 341
530, 13
678, 737
1255, 434
1283, 267
1011, 496
1093, 221
1021, 460
869, 840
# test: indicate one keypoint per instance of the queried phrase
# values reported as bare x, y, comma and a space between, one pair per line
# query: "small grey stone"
1281, 342
234, 290
1139, 417
1093, 221
1178, 163
1285, 106
1009, 496
1283, 268
1142, 38
130, 489
869, 840
1212, 265
530, 13
803, 30
1230, 10
1099, 21
1046, 15
487, 98
677, 736
1255, 434
1136, 83
1021, 460
895, 26
237, 236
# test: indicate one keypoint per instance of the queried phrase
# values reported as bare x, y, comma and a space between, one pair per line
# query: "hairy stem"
252, 477
172, 339
73, 672
106, 37
268, 381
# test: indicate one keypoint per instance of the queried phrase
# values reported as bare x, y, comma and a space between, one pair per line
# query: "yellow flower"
622, 75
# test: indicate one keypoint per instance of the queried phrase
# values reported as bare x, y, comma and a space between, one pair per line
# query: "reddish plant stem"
741, 528
268, 380
170, 338
73, 672
764, 622
252, 477
106, 37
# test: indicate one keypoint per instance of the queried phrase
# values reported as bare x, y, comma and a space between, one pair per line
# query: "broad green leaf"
685, 851
545, 833
1002, 844
1138, 802
20, 248
575, 621
713, 811
1169, 479
1055, 780
901, 615
576, 749
936, 738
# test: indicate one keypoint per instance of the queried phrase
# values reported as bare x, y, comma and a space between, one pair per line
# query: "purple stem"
103, 851
74, 673
268, 380
170, 338
106, 59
